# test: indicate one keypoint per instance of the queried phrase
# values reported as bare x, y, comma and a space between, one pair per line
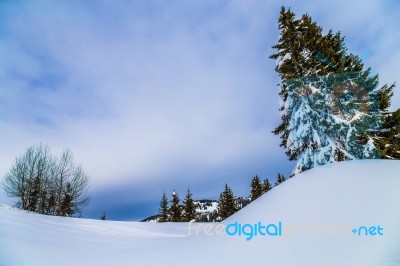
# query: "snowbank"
318, 211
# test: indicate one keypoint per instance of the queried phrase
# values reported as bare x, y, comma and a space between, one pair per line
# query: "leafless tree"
46, 184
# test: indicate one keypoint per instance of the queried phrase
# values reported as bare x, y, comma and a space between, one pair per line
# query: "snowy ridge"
353, 194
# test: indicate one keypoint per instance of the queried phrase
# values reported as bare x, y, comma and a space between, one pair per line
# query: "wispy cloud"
161, 95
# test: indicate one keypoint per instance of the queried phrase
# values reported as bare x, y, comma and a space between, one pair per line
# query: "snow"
281, 60
318, 127
317, 202
203, 208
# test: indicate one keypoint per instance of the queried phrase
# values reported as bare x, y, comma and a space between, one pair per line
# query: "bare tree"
46, 184
26, 177
71, 184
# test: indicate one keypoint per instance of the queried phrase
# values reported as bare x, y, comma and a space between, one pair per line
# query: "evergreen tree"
34, 195
43, 201
256, 188
66, 203
51, 204
280, 179
330, 104
175, 209
189, 208
226, 204
388, 138
266, 186
163, 210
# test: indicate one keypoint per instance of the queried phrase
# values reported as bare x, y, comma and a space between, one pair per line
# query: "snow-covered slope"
317, 209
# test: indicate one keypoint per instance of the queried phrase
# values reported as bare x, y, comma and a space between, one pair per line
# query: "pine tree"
43, 202
266, 186
163, 210
256, 188
34, 194
280, 179
222, 213
175, 209
51, 204
189, 208
330, 103
388, 138
226, 204
66, 203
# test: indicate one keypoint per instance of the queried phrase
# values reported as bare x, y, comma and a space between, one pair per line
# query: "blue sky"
153, 96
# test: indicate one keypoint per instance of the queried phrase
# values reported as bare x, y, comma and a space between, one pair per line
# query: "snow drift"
318, 209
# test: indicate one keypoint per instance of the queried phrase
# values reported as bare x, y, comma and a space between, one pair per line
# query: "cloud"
128, 91
161, 96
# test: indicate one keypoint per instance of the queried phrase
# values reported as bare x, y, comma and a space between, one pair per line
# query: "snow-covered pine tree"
388, 138
163, 210
189, 208
175, 209
226, 204
256, 188
266, 186
329, 103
